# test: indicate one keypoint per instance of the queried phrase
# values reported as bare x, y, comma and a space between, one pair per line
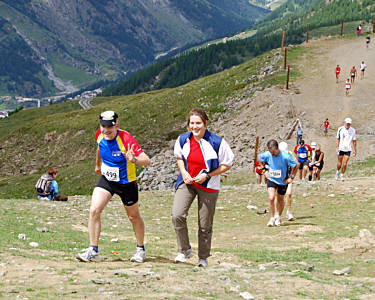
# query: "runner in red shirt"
259, 172
326, 125
337, 72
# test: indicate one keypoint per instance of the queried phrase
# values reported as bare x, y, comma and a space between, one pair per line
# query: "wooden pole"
256, 151
282, 41
285, 57
287, 78
342, 26
307, 33
373, 29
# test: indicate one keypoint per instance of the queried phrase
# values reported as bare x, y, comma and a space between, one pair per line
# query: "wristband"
292, 177
208, 176
135, 160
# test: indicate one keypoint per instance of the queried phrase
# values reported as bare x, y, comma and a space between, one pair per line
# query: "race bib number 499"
111, 173
302, 155
275, 173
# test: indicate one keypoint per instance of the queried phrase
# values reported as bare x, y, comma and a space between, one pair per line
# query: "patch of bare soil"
321, 97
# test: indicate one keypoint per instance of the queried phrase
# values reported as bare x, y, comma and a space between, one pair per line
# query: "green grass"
255, 244
349, 30
154, 118
68, 73
262, 255
25, 117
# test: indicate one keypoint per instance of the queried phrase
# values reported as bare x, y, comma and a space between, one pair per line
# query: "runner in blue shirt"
117, 155
277, 178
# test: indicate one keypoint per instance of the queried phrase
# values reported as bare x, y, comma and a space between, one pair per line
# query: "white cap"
283, 146
348, 121
313, 145
108, 118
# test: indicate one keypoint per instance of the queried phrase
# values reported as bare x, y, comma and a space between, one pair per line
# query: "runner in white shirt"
363, 67
345, 138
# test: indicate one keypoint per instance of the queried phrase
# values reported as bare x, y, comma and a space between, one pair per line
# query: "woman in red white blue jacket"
201, 157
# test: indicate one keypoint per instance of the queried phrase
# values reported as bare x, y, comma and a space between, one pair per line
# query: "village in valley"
8, 104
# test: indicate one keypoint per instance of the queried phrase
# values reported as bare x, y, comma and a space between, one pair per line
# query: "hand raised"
130, 153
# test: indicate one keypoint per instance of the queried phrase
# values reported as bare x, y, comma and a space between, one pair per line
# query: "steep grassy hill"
292, 17
62, 136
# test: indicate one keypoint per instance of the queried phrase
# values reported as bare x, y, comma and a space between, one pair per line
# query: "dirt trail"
321, 97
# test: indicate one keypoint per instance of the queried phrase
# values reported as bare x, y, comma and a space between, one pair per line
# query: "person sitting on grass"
47, 187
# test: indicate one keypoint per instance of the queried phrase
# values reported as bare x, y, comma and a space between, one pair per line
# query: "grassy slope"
154, 118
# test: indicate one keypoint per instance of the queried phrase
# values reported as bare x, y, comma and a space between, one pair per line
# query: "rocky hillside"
80, 42
248, 114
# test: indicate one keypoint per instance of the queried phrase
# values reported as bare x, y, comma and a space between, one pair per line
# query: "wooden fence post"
256, 151
287, 78
285, 57
307, 33
282, 41
342, 26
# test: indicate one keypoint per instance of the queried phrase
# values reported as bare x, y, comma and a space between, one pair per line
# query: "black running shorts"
281, 189
128, 192
347, 153
302, 164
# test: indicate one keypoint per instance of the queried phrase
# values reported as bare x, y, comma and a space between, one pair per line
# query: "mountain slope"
291, 17
104, 39
64, 137
15, 54
239, 110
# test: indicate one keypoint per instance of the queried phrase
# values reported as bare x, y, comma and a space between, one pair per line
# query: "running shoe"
278, 221
139, 255
271, 222
182, 257
289, 216
203, 262
87, 255
342, 177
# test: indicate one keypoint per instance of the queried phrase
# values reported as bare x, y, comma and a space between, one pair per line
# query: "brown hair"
272, 144
200, 113
52, 171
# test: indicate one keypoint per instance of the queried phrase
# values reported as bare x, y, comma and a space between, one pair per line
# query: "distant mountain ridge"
85, 41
